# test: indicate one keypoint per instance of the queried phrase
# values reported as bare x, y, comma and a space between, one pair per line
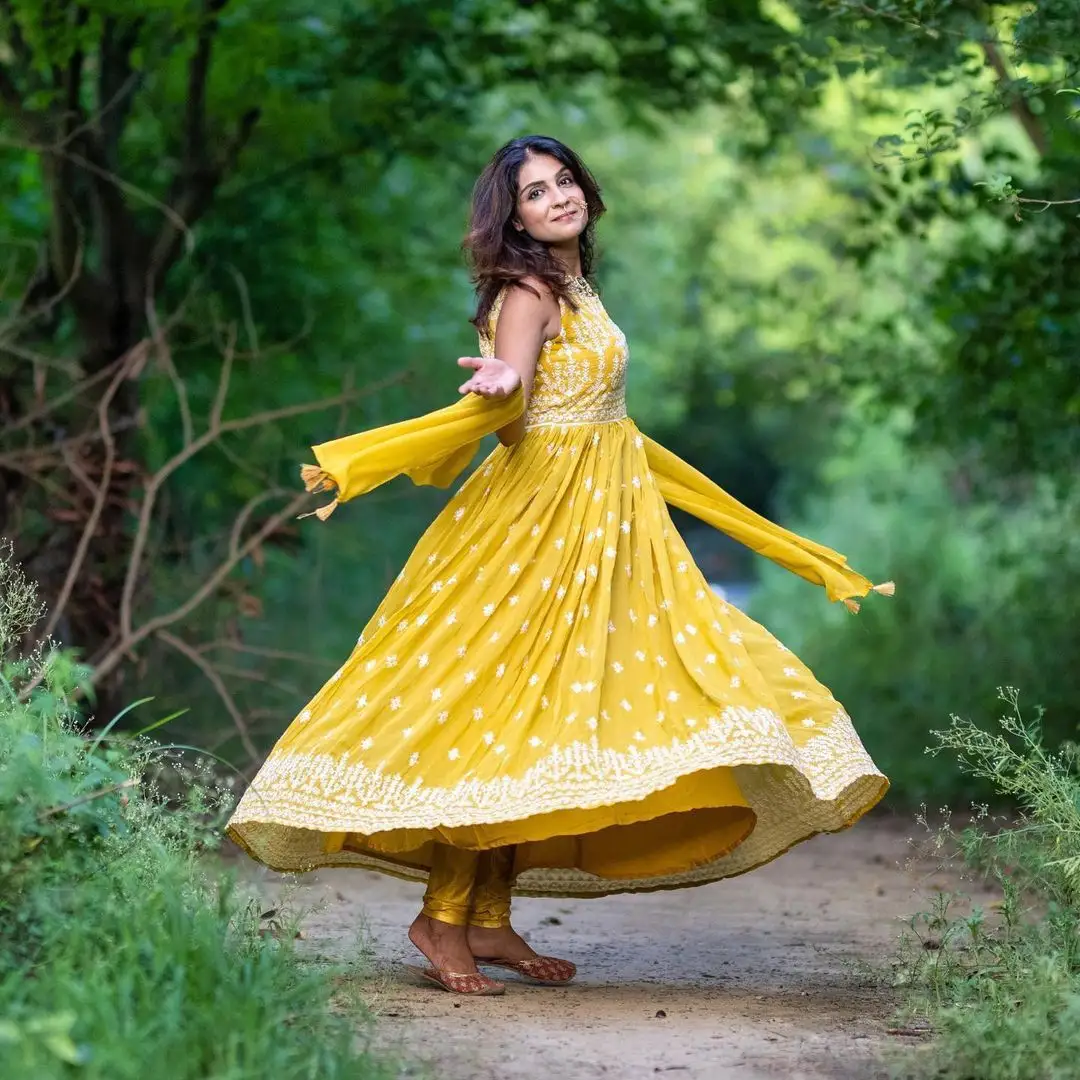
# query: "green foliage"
122, 944
1001, 988
981, 596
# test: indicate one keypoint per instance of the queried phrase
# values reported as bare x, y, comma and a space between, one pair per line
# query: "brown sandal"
541, 970
472, 984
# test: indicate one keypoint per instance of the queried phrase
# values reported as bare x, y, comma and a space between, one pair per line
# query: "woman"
550, 700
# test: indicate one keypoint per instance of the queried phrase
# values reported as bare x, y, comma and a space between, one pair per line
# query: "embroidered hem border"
824, 786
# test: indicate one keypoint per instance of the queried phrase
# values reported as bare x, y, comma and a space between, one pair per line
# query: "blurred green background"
842, 240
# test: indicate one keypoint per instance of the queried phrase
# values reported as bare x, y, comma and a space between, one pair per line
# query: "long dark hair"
501, 255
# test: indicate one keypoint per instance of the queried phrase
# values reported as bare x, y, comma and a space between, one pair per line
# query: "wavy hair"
500, 255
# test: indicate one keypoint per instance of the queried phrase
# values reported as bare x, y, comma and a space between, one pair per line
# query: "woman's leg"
490, 934
491, 937
439, 931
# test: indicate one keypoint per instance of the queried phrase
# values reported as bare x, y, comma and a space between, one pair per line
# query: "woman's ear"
517, 225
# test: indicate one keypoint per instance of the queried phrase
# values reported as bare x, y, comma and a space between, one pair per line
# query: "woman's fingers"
474, 362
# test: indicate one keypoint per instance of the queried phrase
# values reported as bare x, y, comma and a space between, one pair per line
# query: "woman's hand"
491, 378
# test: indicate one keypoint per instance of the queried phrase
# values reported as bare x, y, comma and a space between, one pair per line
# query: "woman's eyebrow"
558, 176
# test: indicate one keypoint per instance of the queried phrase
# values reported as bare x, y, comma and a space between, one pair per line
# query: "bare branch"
269, 654
1021, 109
163, 352
218, 683
99, 502
222, 391
245, 516
157, 481
128, 641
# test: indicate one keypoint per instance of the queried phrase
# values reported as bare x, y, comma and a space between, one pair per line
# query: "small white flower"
422, 660
443, 717
691, 722
560, 543
809, 721
421, 619
489, 610
640, 654
535, 530
395, 704
500, 749
451, 618
478, 713
391, 660
431, 558
436, 694
639, 736
626, 705
710, 658
673, 695
454, 754
625, 526
371, 665
616, 667
545, 583
414, 758
680, 638
681, 567
305, 716
534, 742
560, 592
494, 637
514, 568
798, 694
691, 629
406, 732
361, 702
591, 723
735, 638
610, 552
652, 619
500, 671
514, 600
534, 679
403, 625
489, 737
366, 744
582, 651
470, 677
736, 681
436, 586
791, 673
462, 649
459, 513
649, 688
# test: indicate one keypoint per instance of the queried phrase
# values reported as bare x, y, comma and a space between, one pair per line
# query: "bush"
1002, 992
980, 601
122, 945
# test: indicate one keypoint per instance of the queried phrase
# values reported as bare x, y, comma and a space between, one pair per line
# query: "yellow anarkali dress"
551, 670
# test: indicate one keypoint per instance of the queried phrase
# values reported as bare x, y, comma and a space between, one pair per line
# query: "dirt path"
765, 975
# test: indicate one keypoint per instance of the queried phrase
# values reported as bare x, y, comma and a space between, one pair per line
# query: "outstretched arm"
526, 322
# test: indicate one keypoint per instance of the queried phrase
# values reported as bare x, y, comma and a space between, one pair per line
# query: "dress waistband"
576, 423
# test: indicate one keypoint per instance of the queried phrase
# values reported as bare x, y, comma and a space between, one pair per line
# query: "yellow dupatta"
435, 448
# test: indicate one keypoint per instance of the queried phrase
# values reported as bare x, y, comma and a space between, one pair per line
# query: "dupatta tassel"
316, 479
886, 588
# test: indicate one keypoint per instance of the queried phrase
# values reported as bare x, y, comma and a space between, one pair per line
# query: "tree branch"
99, 501
1020, 108
218, 683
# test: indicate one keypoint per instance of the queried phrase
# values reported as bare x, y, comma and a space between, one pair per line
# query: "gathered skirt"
551, 670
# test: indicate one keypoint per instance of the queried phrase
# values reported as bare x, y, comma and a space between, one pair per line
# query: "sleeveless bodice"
581, 374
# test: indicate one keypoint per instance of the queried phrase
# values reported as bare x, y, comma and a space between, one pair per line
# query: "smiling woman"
550, 699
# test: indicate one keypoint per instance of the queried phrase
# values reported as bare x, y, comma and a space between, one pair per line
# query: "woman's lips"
568, 216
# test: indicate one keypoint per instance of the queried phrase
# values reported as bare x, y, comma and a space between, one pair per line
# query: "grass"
1000, 989
123, 948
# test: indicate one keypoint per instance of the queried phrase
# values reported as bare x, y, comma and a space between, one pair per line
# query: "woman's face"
550, 203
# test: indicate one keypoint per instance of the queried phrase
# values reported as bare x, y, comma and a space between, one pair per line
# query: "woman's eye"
534, 193
567, 180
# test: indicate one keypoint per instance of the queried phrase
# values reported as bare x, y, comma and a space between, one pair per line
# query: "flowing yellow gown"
551, 670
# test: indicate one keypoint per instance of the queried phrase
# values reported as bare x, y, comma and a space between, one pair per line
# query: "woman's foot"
445, 945
505, 948
498, 943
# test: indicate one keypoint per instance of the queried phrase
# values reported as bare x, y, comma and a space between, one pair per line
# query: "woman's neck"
569, 254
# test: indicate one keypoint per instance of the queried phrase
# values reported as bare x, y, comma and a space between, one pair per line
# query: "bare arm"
526, 322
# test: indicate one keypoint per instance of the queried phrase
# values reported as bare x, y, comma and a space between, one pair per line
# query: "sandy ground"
776, 973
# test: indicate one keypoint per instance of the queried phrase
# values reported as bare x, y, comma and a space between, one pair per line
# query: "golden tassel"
886, 588
322, 513
315, 479
852, 606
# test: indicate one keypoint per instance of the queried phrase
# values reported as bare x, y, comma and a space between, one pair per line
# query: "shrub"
123, 947
1001, 991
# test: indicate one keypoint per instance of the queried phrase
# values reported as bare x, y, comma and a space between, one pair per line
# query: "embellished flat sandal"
541, 970
472, 984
